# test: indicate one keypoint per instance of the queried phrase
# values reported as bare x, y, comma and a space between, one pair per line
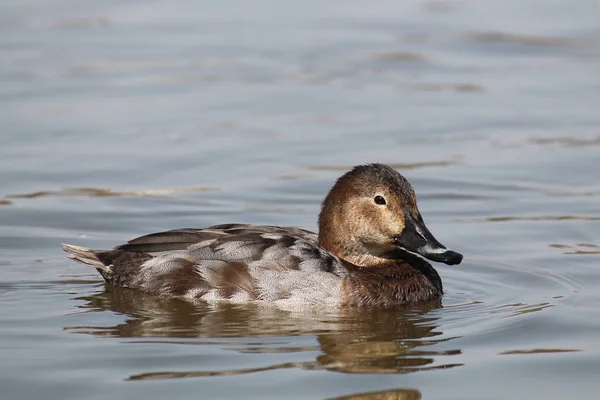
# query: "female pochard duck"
364, 255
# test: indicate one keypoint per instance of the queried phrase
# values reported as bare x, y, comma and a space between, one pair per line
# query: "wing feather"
232, 261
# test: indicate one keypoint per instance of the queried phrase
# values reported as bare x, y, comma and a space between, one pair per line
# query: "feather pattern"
235, 262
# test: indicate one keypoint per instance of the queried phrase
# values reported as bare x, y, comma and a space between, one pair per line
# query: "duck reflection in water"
396, 394
351, 340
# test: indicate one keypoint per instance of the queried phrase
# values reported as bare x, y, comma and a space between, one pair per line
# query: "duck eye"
379, 200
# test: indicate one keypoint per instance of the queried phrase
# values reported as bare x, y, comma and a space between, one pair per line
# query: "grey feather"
233, 261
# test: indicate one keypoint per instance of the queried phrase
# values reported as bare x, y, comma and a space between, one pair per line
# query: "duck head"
371, 215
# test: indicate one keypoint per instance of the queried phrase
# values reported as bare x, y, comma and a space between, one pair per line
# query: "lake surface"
120, 118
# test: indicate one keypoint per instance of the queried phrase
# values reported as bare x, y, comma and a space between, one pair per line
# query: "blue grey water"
124, 117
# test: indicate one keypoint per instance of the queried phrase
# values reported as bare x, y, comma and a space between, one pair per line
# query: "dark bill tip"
448, 257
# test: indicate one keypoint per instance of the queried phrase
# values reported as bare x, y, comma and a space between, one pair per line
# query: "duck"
370, 251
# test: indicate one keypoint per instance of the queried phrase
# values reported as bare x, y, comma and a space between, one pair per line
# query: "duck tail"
87, 256
118, 267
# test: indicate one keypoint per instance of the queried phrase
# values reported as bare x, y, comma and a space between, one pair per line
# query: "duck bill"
416, 238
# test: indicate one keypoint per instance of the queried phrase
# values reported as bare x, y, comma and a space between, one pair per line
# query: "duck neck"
350, 251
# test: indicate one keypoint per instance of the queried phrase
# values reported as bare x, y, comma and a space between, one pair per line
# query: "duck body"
363, 255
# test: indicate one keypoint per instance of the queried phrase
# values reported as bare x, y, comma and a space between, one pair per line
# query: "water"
120, 118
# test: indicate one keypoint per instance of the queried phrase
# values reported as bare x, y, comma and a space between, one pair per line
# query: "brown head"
370, 216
